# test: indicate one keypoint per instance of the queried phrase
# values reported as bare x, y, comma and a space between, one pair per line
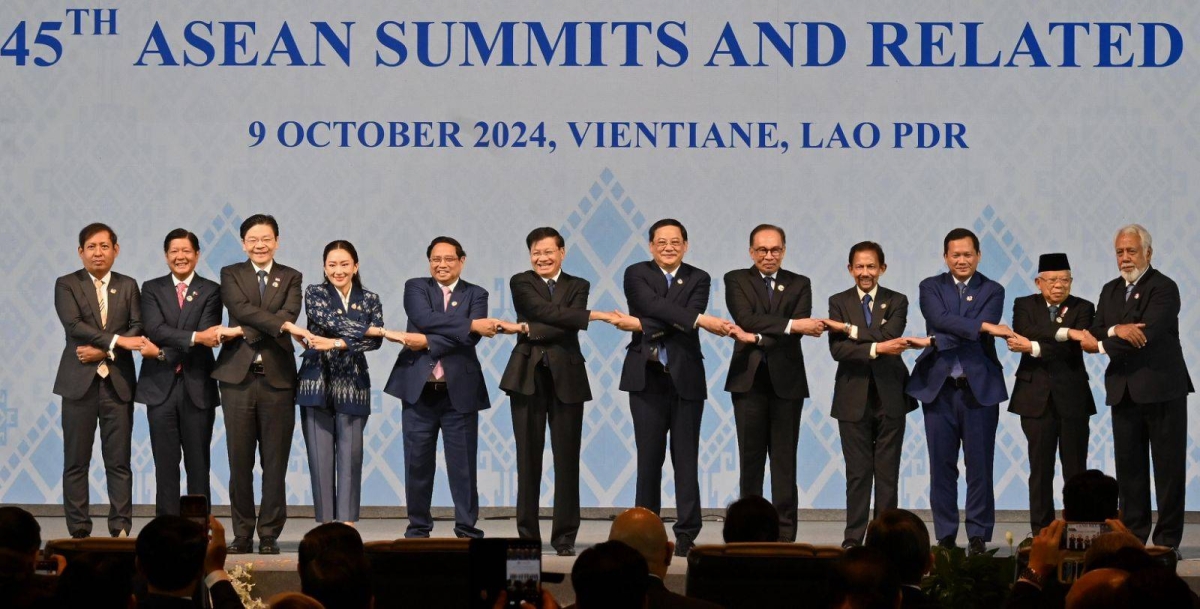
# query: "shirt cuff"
872, 355
212, 578
1063, 335
787, 328
1100, 345
696, 324
193, 341
853, 334
1035, 349
1112, 331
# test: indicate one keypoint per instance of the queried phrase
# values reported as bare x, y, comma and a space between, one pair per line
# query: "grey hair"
1140, 231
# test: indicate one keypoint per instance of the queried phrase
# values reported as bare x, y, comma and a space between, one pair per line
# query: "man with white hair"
1137, 326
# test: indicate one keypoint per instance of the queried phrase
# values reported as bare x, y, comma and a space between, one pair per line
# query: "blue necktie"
770, 281
662, 348
550, 286
1054, 309
262, 285
956, 369
1128, 291
866, 302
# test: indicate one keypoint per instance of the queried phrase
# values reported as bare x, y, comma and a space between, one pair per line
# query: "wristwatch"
1035, 578
162, 357
338, 344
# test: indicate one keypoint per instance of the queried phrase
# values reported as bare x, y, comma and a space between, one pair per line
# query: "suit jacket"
170, 327
1157, 372
554, 325
954, 323
668, 317
659, 597
450, 341
79, 311
1059, 372
339, 379
747, 301
262, 321
856, 369
222, 595
915, 598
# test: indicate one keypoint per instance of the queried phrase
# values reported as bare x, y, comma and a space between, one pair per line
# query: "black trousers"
658, 410
769, 425
529, 416
258, 417
871, 447
179, 431
1048, 434
1142, 432
99, 406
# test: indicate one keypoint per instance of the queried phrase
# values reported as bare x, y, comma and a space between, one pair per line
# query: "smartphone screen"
1078, 536
195, 508
46, 566
523, 571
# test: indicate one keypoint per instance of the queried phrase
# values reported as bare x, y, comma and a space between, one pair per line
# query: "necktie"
956, 369
102, 369
438, 372
770, 281
262, 285
866, 302
550, 286
662, 348
1128, 291
962, 290
180, 290
1054, 309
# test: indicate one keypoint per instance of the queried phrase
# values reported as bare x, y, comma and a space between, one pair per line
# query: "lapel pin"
1136, 295
114, 291
779, 287
1058, 319
195, 293
454, 303
883, 306
970, 298
189, 298
275, 283
678, 282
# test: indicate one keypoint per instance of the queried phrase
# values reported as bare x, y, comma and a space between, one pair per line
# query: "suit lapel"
564, 283
249, 281
272, 285
1128, 306
854, 309
539, 285
678, 281
89, 292
971, 296
173, 315
456, 298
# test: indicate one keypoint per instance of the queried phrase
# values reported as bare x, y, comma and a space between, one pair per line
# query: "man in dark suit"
546, 379
1147, 381
904, 540
643, 530
960, 383
176, 556
257, 374
101, 314
866, 337
664, 372
771, 308
440, 383
182, 313
1052, 393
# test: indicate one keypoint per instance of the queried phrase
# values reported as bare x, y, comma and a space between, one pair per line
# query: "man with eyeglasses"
771, 308
1052, 393
664, 371
256, 371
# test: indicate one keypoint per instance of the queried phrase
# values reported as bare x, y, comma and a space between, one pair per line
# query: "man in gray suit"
101, 314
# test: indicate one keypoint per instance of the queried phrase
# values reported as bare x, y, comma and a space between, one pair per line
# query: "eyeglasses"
662, 244
761, 252
253, 241
1056, 281
446, 260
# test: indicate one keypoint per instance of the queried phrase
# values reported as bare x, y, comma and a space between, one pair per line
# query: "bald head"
643, 530
1098, 589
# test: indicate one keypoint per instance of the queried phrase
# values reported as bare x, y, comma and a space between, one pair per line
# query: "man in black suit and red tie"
101, 314
771, 308
257, 374
664, 372
866, 337
1052, 393
546, 379
182, 314
1137, 326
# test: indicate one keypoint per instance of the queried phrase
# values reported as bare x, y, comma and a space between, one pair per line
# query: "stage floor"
818, 527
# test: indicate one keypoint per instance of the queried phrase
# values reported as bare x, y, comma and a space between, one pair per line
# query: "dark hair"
1159, 586
170, 552
334, 568
93, 229
181, 233
19, 530
751, 518
257, 219
762, 227
610, 575
346, 246
864, 577
458, 250
1127, 558
667, 222
1090, 496
955, 235
866, 246
904, 540
96, 580
543, 232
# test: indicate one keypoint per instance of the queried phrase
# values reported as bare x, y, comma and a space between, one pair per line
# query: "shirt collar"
267, 268
187, 281
665, 272
772, 275
451, 286
965, 282
103, 280
554, 278
873, 292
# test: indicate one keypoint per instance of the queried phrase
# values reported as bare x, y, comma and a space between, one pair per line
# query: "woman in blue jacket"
335, 389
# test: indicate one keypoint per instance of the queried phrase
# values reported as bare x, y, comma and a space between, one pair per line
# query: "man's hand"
508, 327
1132, 334
1116, 526
996, 330
1089, 343
743, 336
210, 337
416, 341
149, 349
395, 336
808, 326
214, 558
130, 343
896, 346
296, 331
230, 333
89, 355
1019, 344
1044, 554
715, 325
834, 325
548, 601
626, 322
485, 327
917, 342
603, 316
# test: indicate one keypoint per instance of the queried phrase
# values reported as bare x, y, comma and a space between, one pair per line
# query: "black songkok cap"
1053, 262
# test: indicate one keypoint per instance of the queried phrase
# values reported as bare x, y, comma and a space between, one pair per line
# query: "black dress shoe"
850, 543
80, 535
948, 542
268, 545
566, 551
976, 546
683, 545
240, 545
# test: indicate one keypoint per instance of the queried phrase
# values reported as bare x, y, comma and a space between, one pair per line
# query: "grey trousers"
100, 405
335, 456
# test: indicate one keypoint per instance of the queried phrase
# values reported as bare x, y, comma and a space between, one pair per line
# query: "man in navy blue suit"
959, 381
440, 383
